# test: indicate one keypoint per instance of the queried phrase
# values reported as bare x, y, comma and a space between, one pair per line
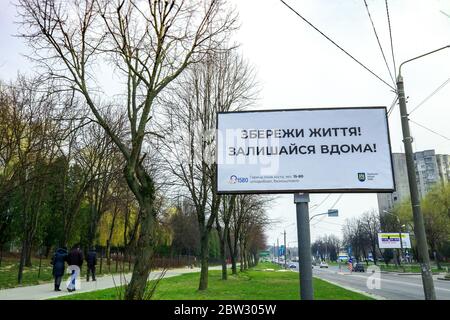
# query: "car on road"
359, 267
292, 266
323, 264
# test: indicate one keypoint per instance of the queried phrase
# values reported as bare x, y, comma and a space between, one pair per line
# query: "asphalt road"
392, 286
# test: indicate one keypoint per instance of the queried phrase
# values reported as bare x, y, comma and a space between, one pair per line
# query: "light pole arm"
316, 215
418, 57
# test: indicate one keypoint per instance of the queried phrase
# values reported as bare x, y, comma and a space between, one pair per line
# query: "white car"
323, 264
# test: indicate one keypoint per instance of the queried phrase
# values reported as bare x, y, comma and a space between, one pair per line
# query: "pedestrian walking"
58, 261
75, 261
91, 261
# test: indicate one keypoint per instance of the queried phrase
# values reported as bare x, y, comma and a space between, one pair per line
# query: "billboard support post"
301, 201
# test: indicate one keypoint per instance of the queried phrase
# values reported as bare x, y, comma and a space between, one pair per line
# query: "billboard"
392, 240
304, 150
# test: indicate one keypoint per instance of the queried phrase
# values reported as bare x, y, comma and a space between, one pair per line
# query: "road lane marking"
398, 282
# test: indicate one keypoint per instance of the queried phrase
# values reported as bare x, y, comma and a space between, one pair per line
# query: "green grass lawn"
10, 267
252, 284
410, 268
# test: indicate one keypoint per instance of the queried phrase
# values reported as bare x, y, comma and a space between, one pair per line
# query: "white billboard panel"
309, 150
392, 240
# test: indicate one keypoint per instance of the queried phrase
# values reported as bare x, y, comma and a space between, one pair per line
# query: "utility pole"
285, 250
301, 201
278, 252
401, 245
274, 251
419, 228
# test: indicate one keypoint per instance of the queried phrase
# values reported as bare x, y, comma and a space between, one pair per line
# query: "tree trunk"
204, 251
143, 253
374, 254
223, 252
22, 262
241, 256
28, 254
245, 260
108, 255
232, 254
223, 255
143, 188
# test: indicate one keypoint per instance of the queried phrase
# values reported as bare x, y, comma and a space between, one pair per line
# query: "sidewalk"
45, 291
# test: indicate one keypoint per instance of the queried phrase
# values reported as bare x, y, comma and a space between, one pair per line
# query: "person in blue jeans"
74, 258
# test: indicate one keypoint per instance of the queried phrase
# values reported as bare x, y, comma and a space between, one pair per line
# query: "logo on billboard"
361, 176
235, 179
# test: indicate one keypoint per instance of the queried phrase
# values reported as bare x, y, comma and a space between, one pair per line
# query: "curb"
367, 294
408, 273
443, 279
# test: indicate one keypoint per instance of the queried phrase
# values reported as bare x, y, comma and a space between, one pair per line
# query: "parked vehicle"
323, 264
293, 266
359, 267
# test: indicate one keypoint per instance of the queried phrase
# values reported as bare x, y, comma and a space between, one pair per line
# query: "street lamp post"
419, 228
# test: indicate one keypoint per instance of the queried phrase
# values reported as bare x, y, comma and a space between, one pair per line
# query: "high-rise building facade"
427, 174
430, 169
443, 164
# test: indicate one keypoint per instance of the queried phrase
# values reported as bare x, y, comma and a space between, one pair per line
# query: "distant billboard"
392, 240
304, 150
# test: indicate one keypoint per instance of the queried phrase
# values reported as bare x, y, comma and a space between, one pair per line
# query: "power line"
325, 199
378, 40
390, 36
338, 46
432, 94
437, 133
337, 200
392, 105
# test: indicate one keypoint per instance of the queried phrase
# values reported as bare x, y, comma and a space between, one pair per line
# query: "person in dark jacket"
91, 260
58, 262
74, 259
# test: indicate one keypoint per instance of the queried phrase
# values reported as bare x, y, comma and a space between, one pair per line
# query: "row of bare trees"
222, 82
132, 92
59, 172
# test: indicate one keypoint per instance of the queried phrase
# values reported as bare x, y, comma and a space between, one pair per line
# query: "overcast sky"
297, 67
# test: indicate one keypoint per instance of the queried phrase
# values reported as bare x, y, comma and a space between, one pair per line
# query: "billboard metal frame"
342, 190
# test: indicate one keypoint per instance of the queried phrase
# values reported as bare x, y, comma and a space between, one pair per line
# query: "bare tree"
150, 44
249, 212
223, 220
370, 222
222, 82
29, 145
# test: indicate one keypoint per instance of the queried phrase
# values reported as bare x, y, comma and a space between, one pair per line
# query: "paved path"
45, 291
